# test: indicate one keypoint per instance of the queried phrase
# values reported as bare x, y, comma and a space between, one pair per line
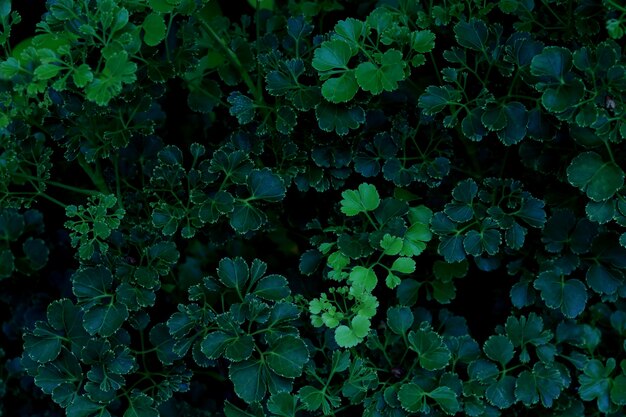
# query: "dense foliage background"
304, 208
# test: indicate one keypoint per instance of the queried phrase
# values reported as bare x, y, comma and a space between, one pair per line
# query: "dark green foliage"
272, 208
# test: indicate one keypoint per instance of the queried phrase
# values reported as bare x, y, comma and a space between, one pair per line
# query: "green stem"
71, 188
617, 6
52, 199
608, 148
95, 176
118, 188
236, 63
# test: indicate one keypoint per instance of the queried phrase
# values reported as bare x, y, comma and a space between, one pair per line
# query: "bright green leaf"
364, 278
403, 265
375, 78
154, 29
331, 55
364, 199
422, 41
340, 89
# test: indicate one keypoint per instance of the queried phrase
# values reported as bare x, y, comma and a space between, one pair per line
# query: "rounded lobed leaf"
600, 180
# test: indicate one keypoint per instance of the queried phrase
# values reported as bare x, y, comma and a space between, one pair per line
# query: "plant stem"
236, 63
95, 176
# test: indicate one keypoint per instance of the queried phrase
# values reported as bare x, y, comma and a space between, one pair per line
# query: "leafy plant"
262, 208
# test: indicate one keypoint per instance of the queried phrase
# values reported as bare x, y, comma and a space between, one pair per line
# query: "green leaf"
235, 165
311, 397
249, 380
265, 185
417, 235
435, 99
461, 209
140, 405
43, 344
214, 343
446, 398
83, 407
350, 31
5, 8
494, 118
472, 34
499, 348
91, 283
516, 117
242, 107
47, 71
570, 296
598, 179
340, 89
445, 271
11, 224
105, 319
399, 319
532, 212
600, 211
618, 391
284, 80
364, 199
451, 248
472, 125
604, 280
563, 97
501, 393
522, 331
338, 118
363, 278
9, 68
154, 29
483, 370
487, 240
432, 353
391, 245
411, 398
118, 70
286, 119
287, 356
239, 348
233, 273
347, 337
282, 404
375, 79
543, 383
82, 75
422, 41
262, 4
392, 281
163, 6
615, 28
272, 287
163, 343
595, 383
331, 55
403, 265
552, 64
